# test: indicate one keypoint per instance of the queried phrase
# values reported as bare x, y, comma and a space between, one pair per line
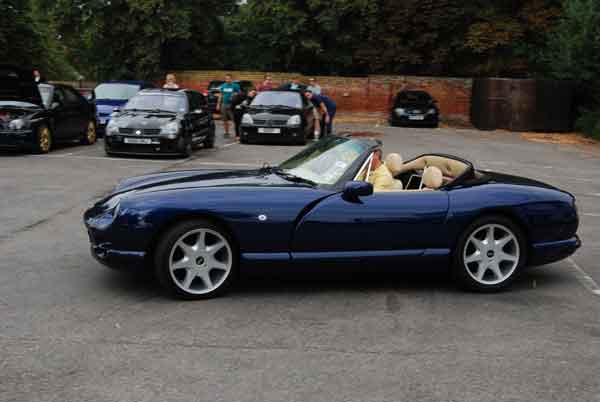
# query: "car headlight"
399, 111
431, 111
112, 128
247, 119
294, 120
170, 129
18, 124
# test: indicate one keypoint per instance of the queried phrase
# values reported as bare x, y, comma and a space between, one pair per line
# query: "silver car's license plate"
416, 117
138, 141
266, 130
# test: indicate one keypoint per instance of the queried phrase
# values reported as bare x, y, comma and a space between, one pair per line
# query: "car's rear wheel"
489, 254
90, 135
196, 260
43, 140
209, 142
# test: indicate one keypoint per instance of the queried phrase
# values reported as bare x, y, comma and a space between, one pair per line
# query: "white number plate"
416, 117
265, 130
138, 141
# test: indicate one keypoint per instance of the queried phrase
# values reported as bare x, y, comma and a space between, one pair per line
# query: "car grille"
270, 123
145, 131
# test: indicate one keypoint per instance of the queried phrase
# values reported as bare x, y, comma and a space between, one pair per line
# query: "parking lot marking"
228, 144
591, 214
584, 278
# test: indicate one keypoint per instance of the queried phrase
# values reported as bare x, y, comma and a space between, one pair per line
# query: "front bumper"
286, 134
548, 252
159, 146
16, 139
429, 120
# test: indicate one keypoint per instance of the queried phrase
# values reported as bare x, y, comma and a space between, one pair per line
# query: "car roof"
126, 82
166, 91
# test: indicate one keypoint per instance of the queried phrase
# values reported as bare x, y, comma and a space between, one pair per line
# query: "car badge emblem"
139, 132
262, 217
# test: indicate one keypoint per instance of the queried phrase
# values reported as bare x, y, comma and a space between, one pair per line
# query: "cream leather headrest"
432, 177
394, 162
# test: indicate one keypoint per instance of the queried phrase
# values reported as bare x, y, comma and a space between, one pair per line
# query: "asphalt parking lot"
72, 330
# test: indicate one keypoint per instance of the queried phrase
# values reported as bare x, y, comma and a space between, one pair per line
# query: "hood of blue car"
107, 106
202, 178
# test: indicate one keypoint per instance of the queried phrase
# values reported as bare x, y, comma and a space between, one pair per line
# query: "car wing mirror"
55, 105
197, 111
115, 112
355, 189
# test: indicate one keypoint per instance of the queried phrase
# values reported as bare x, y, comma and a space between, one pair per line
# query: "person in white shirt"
171, 82
313, 86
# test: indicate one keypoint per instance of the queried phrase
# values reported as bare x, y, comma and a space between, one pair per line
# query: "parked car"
114, 94
212, 91
278, 116
196, 230
34, 117
414, 108
161, 121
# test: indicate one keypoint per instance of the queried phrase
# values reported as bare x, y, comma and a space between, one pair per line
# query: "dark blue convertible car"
197, 229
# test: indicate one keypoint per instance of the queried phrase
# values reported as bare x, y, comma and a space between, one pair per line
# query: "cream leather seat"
432, 178
394, 164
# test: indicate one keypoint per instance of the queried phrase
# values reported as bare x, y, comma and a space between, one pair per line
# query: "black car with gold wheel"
33, 117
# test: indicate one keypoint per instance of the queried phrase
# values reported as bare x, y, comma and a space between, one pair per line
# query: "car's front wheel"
489, 254
196, 260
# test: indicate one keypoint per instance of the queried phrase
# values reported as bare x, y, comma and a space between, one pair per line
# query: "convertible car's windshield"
326, 161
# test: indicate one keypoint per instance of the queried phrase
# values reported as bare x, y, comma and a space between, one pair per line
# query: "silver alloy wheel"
491, 254
200, 261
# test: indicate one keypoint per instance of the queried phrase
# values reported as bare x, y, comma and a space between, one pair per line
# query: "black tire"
185, 147
209, 142
162, 258
463, 273
43, 140
243, 140
90, 136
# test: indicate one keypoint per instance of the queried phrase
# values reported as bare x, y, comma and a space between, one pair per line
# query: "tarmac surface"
72, 330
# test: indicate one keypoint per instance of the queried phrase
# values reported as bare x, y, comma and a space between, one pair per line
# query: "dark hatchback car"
161, 121
212, 92
278, 116
34, 117
114, 94
414, 108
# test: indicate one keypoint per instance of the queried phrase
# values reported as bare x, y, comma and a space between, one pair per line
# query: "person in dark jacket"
326, 108
239, 104
38, 77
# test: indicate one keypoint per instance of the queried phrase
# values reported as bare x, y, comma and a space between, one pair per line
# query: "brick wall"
372, 94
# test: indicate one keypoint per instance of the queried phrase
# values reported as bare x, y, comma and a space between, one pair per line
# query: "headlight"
18, 124
171, 128
431, 111
247, 119
399, 111
294, 120
112, 128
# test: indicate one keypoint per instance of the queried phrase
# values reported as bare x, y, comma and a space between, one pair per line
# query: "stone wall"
372, 94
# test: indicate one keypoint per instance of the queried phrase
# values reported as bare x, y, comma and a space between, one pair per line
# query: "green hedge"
589, 123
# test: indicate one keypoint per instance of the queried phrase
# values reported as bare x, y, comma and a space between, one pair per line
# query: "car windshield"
275, 98
215, 84
326, 161
46, 93
413, 97
159, 102
116, 91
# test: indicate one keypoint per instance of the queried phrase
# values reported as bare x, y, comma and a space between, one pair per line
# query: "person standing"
239, 104
313, 86
37, 77
171, 82
267, 84
227, 90
326, 108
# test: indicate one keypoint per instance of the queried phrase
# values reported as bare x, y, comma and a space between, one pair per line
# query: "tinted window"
58, 96
413, 97
158, 101
272, 98
71, 96
116, 91
215, 84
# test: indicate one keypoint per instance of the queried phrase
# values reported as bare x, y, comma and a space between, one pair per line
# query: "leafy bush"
589, 123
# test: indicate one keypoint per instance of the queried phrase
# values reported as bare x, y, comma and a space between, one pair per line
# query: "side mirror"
197, 111
355, 189
115, 112
55, 105
90, 97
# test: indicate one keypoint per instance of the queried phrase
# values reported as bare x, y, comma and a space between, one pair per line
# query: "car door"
75, 112
309, 116
61, 113
382, 226
194, 116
